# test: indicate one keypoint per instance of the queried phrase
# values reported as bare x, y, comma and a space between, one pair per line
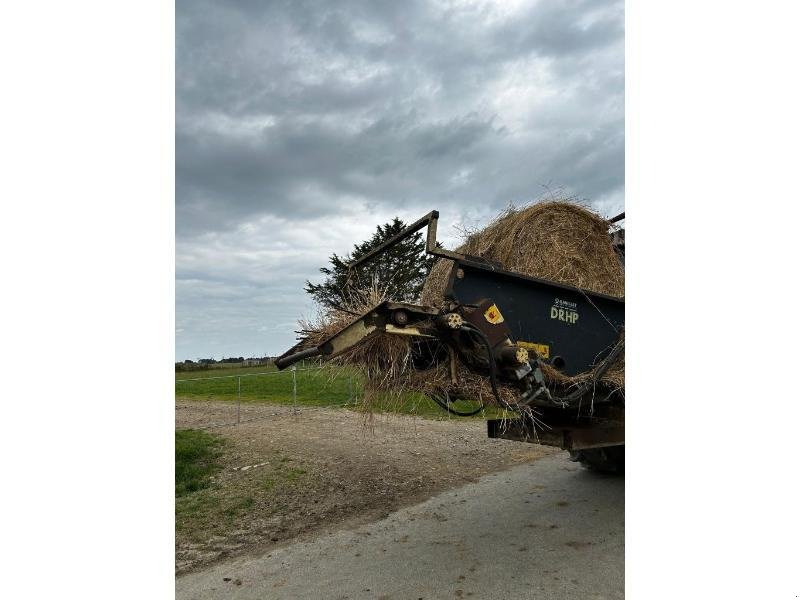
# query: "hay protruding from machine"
556, 240
456, 345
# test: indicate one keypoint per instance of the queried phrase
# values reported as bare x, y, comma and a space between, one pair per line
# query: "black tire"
610, 459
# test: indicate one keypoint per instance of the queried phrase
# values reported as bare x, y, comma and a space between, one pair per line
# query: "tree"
400, 271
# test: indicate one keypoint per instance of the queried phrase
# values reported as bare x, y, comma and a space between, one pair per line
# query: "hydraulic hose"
492, 363
286, 361
445, 405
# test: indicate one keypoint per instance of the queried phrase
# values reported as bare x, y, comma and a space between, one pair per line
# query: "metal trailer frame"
571, 328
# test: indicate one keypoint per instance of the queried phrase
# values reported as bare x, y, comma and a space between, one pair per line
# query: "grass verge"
258, 493
197, 456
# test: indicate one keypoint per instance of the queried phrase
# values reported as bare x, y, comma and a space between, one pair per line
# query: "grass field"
315, 387
325, 387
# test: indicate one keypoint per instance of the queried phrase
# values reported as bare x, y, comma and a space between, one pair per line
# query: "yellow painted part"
542, 350
406, 331
493, 315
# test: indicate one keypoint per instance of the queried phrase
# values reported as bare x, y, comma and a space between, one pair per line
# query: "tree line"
202, 364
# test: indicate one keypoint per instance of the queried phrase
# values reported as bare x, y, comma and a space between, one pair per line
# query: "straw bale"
555, 240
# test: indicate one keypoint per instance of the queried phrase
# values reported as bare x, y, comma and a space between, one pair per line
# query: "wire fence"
294, 388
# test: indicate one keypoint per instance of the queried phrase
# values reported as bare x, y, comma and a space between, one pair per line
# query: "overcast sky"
302, 125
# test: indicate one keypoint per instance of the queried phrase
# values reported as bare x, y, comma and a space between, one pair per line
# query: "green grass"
214, 509
326, 387
196, 460
330, 387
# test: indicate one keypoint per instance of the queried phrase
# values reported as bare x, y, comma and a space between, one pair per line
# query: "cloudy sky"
302, 125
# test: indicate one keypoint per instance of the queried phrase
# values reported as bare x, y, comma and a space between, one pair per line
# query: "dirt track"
287, 476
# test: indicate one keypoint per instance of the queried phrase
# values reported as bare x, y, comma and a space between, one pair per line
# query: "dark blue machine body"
571, 328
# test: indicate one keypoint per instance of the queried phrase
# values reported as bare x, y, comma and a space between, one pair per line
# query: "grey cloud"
307, 114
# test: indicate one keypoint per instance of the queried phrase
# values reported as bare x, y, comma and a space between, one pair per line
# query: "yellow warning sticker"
543, 350
493, 315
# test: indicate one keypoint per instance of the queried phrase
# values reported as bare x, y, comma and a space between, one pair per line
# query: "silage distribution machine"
505, 326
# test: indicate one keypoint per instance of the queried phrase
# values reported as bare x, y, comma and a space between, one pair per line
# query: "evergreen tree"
400, 271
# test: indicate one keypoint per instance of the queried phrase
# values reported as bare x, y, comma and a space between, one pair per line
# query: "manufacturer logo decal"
564, 310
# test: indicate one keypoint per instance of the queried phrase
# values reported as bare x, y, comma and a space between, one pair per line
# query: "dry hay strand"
468, 386
613, 380
384, 360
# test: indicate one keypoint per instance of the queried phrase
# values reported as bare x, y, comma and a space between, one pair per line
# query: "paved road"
544, 530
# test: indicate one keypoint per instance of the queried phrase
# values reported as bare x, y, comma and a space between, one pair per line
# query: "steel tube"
286, 361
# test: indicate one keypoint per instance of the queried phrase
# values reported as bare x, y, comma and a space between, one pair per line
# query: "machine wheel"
610, 459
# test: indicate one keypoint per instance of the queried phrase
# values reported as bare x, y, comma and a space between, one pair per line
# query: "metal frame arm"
430, 220
287, 360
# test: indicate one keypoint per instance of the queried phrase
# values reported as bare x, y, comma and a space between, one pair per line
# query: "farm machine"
506, 327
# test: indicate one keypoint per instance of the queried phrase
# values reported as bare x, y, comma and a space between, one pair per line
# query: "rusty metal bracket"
430, 220
416, 322
574, 437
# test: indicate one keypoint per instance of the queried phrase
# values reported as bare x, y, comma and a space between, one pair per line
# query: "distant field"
233, 370
315, 387
318, 387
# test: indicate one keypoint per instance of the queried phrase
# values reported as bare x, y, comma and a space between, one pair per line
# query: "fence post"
294, 389
238, 399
